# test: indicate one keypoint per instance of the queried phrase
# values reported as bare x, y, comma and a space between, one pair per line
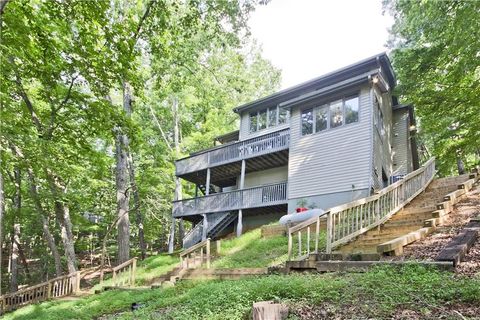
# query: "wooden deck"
256, 197
233, 153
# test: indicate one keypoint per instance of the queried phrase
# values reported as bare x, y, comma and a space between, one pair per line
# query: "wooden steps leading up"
358, 266
233, 273
416, 220
456, 250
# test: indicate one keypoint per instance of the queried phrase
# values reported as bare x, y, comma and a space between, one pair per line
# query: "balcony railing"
255, 197
237, 151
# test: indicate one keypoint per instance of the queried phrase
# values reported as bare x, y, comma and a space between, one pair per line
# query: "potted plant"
301, 205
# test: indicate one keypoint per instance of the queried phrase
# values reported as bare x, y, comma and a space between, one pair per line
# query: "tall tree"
435, 55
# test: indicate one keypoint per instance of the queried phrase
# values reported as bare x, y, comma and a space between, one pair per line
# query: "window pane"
307, 121
283, 115
321, 119
253, 122
272, 117
336, 114
351, 110
262, 119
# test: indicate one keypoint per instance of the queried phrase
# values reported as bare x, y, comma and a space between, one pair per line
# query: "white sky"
308, 38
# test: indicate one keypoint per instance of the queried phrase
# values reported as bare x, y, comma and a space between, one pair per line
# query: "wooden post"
134, 270
205, 227
207, 183
208, 253
329, 232
290, 243
218, 243
241, 186
114, 278
308, 240
240, 223
242, 175
202, 258
268, 310
77, 282
317, 234
49, 290
299, 243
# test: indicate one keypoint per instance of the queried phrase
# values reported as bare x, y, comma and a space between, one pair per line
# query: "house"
325, 142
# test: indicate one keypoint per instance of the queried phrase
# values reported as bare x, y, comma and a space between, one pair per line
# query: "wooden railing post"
49, 290
133, 272
208, 253
308, 240
290, 244
77, 282
329, 233
114, 277
317, 234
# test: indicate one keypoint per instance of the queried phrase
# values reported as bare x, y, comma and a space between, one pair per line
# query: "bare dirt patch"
411, 312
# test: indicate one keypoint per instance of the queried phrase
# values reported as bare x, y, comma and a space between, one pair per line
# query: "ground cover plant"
381, 293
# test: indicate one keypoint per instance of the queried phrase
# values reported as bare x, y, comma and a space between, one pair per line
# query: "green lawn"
252, 251
150, 268
377, 294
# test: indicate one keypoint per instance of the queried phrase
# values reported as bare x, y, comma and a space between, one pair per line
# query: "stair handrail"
203, 248
347, 221
190, 236
124, 273
54, 288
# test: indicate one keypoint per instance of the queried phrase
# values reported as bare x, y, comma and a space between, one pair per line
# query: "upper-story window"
331, 115
268, 118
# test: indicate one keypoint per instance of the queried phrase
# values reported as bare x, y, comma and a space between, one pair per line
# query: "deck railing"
54, 288
348, 221
196, 256
268, 143
260, 196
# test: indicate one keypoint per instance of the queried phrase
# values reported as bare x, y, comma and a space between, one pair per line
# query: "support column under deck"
240, 216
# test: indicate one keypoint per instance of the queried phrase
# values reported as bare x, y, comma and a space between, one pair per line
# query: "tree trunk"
121, 143
44, 221
460, 166
2, 211
136, 205
22, 256
62, 214
17, 207
178, 183
14, 258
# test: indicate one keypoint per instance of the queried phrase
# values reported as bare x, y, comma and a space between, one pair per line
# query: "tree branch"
142, 21
3, 4
26, 99
160, 128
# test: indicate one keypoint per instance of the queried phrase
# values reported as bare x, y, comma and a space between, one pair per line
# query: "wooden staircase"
407, 225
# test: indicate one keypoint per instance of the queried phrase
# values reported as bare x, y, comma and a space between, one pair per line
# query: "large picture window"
331, 115
268, 118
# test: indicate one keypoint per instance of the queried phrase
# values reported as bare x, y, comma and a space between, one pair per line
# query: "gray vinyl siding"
402, 153
382, 145
333, 160
269, 176
245, 128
